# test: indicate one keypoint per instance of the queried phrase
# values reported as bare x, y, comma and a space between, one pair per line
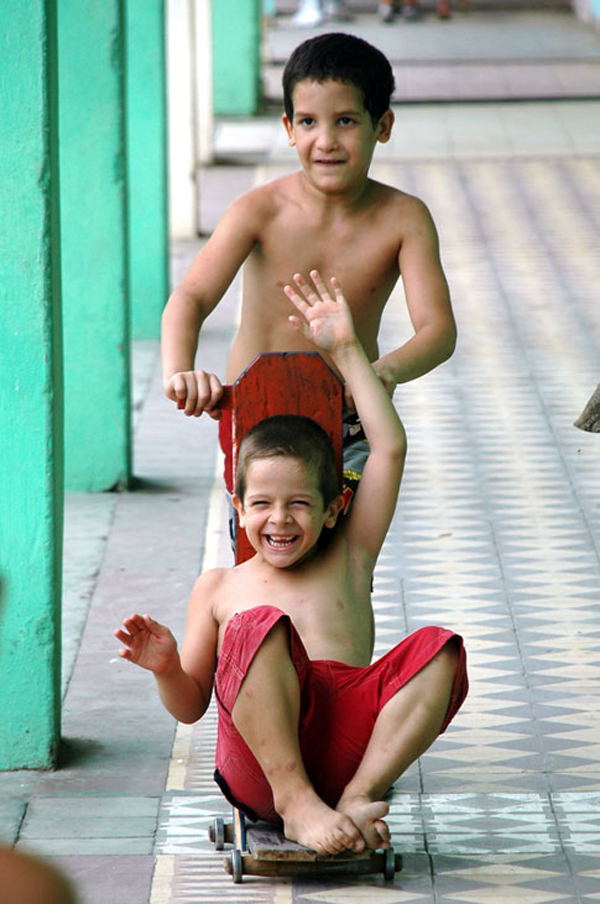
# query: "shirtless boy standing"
310, 733
329, 216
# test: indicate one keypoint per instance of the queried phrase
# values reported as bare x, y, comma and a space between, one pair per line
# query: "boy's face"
334, 134
283, 511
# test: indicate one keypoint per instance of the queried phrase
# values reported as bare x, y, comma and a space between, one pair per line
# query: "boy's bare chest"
325, 610
353, 253
366, 270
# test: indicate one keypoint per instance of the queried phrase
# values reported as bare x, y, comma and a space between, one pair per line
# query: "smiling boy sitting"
310, 734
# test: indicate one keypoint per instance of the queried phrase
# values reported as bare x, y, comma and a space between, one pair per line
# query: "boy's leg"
266, 714
406, 726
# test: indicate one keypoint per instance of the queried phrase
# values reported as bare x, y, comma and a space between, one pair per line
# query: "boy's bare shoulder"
207, 588
266, 201
398, 201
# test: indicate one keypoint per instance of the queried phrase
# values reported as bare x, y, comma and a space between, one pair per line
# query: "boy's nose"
327, 140
280, 515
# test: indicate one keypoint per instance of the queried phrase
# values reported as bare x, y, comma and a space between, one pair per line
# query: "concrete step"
477, 55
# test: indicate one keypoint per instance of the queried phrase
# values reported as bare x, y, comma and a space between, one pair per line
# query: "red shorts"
339, 706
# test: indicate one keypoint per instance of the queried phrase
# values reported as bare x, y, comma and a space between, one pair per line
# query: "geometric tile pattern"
497, 536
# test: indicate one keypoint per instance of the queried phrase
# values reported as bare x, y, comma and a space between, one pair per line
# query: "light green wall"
94, 243
147, 166
30, 389
236, 28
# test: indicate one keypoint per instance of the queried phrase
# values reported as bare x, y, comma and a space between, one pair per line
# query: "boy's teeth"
280, 541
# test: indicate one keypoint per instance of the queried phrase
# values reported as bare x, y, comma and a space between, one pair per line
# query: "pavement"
496, 535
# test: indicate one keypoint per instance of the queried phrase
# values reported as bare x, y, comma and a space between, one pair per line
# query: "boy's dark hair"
343, 58
295, 437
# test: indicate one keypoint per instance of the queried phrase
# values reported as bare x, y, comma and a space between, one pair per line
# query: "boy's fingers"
179, 387
134, 624
305, 288
195, 391
337, 290
319, 284
295, 299
123, 637
208, 392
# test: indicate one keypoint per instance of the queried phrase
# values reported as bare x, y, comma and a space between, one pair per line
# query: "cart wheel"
389, 865
237, 866
216, 833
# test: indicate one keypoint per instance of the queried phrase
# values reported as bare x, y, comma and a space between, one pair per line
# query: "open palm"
147, 643
325, 316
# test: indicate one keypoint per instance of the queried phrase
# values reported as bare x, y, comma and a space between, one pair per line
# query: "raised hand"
325, 316
147, 643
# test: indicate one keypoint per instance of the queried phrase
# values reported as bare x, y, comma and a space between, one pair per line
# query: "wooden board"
261, 849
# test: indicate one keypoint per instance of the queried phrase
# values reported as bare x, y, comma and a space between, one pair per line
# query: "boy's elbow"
397, 451
191, 715
184, 304
448, 345
188, 719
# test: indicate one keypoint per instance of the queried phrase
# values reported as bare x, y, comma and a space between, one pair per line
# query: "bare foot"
367, 816
312, 823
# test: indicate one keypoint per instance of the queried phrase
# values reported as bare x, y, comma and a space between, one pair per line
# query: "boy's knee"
276, 641
280, 632
273, 649
448, 658
453, 650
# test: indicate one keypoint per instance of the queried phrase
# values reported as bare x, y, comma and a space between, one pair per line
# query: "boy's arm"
192, 301
328, 323
428, 302
184, 682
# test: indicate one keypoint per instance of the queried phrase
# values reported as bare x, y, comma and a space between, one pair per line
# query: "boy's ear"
332, 511
239, 507
289, 129
384, 126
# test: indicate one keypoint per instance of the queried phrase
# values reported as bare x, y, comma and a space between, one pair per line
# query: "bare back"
296, 232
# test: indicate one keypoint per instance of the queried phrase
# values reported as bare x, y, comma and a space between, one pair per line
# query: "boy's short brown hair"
293, 436
341, 58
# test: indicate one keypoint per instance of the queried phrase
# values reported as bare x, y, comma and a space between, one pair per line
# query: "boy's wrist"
345, 351
170, 670
388, 374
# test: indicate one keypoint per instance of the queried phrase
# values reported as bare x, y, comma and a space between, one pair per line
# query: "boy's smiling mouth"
280, 542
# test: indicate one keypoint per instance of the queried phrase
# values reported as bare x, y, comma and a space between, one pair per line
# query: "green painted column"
236, 28
30, 389
91, 41
147, 165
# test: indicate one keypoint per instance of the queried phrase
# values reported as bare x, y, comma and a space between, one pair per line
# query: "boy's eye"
307, 121
347, 121
300, 502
